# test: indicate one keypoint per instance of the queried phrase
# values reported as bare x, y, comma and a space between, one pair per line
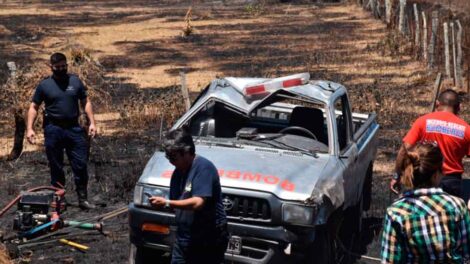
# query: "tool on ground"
73, 244
82, 225
39, 211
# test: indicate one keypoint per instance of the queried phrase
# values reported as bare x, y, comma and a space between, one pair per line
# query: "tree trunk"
20, 128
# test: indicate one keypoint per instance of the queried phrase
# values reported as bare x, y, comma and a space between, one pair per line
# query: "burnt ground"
140, 46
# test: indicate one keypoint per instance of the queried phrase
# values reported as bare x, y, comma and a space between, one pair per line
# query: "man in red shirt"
449, 132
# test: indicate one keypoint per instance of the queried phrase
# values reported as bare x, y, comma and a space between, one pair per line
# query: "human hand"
157, 201
31, 136
92, 130
395, 186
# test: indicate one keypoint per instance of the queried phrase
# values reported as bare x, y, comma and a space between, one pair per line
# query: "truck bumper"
261, 244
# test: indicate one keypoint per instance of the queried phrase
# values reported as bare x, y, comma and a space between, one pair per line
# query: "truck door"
347, 149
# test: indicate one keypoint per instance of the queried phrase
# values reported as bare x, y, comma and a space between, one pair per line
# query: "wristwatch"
396, 176
167, 203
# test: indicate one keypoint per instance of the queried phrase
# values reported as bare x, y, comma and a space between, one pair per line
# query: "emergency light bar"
276, 84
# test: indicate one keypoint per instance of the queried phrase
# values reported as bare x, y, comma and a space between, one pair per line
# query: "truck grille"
246, 207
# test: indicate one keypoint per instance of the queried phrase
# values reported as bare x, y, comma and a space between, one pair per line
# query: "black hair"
57, 57
449, 98
179, 140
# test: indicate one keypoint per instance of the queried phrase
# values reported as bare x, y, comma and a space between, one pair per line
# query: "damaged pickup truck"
295, 165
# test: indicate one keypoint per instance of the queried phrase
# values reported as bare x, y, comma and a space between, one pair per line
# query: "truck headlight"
138, 192
298, 214
142, 200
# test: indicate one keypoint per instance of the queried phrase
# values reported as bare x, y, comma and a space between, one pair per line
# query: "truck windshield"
285, 124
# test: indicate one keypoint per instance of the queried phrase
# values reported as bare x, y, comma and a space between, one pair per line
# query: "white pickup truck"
295, 166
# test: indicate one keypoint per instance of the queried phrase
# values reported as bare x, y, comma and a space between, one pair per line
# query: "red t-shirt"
451, 133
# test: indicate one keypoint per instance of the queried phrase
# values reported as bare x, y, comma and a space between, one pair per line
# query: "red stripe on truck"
248, 176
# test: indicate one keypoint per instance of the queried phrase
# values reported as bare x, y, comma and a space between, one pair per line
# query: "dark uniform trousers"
70, 138
452, 184
210, 251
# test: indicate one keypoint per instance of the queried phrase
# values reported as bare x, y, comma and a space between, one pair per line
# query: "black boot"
83, 199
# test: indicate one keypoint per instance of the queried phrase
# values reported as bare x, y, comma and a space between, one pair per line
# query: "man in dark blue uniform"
61, 94
196, 196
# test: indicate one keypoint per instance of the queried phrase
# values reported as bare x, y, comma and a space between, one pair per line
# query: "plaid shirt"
426, 226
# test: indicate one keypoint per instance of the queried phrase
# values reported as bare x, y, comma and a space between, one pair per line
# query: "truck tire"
322, 248
325, 247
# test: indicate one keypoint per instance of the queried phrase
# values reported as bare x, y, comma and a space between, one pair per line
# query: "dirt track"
140, 44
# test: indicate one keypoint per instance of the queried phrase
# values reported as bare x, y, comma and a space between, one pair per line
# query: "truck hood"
287, 174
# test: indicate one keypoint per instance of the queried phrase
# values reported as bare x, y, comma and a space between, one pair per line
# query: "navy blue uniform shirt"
60, 97
202, 180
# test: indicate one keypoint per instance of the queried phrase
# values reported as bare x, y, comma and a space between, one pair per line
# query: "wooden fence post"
12, 68
377, 10
401, 19
454, 52
417, 31
425, 37
388, 12
437, 88
371, 5
458, 70
184, 91
432, 43
468, 77
446, 49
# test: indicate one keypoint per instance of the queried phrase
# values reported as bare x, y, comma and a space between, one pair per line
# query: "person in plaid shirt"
425, 225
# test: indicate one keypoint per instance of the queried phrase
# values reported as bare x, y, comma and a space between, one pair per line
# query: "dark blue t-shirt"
60, 97
202, 180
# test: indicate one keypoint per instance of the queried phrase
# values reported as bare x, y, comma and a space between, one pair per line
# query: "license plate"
234, 245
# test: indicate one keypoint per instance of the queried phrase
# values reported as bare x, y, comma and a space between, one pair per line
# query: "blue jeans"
72, 140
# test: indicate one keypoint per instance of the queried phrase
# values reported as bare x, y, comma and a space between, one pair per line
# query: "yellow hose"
73, 244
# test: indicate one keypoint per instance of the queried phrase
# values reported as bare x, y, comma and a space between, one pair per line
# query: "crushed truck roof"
230, 90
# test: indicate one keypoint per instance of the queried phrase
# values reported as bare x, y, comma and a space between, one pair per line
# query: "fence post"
377, 10
454, 52
458, 70
388, 11
401, 19
417, 31
446, 49
184, 91
12, 68
437, 88
432, 43
425, 36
